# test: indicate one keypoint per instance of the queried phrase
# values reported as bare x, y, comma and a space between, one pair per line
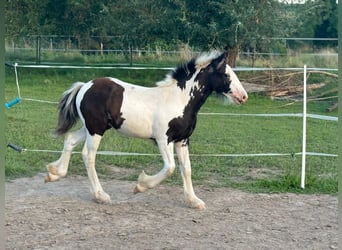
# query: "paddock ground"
62, 215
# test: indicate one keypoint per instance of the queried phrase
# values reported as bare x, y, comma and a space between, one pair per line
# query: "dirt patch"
62, 215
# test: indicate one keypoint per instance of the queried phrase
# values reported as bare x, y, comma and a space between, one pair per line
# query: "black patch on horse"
181, 128
184, 73
101, 106
211, 78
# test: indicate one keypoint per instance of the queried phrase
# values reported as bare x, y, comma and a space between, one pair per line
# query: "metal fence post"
131, 54
38, 49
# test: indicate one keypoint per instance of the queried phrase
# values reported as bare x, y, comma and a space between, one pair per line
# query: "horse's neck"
196, 96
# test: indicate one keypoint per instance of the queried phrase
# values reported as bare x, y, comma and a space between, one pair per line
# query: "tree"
233, 23
329, 19
23, 17
201, 24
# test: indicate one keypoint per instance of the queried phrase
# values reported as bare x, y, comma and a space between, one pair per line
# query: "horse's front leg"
89, 156
185, 167
149, 181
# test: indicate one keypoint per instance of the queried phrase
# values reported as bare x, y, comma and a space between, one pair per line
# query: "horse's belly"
136, 127
138, 110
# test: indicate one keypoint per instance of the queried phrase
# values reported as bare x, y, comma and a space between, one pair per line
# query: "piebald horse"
166, 113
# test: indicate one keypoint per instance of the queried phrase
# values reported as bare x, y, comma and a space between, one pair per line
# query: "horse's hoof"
102, 197
197, 204
47, 179
142, 183
51, 177
136, 190
139, 189
200, 206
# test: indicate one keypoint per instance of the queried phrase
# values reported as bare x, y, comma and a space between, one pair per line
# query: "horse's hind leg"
185, 167
89, 155
59, 168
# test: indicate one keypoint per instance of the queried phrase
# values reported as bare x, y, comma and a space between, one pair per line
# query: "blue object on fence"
13, 102
15, 147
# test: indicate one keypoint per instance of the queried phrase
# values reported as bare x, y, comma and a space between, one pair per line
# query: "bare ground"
62, 215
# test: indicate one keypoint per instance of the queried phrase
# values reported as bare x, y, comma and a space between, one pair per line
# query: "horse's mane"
189, 68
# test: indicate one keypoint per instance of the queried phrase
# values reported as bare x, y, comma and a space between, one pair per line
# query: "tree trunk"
232, 55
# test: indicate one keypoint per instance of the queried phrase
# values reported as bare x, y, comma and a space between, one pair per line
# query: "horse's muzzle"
239, 98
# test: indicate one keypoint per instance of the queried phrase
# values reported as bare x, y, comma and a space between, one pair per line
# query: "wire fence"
50, 49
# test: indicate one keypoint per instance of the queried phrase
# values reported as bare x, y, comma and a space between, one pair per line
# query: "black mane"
184, 72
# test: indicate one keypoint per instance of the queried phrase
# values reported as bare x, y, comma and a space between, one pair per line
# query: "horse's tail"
67, 116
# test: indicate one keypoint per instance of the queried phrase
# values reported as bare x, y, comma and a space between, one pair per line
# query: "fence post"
131, 54
302, 181
38, 49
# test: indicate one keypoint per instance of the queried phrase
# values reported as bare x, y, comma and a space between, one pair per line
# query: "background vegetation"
168, 25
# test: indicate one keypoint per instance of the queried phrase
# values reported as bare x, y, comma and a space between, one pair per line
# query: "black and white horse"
166, 114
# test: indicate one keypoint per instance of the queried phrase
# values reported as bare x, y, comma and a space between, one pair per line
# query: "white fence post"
302, 182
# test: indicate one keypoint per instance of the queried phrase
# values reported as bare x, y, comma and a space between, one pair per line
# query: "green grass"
29, 125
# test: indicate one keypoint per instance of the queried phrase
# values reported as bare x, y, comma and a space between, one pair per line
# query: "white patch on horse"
79, 98
237, 93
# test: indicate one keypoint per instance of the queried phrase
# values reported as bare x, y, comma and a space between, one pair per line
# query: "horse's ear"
223, 59
225, 51
218, 64
226, 54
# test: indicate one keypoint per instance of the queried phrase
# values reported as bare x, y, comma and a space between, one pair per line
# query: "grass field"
29, 125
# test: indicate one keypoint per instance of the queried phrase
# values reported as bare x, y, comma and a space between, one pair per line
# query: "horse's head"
223, 79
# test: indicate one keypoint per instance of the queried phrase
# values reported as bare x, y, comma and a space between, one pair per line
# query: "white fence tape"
118, 153
314, 116
161, 68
